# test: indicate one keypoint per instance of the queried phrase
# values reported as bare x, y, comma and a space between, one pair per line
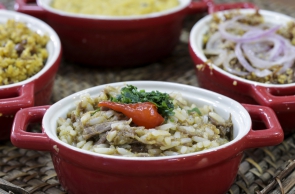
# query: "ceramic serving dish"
87, 172
278, 97
114, 41
35, 90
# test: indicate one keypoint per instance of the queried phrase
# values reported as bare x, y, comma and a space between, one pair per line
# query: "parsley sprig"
130, 94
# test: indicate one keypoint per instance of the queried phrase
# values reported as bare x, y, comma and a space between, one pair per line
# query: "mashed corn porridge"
22, 52
114, 7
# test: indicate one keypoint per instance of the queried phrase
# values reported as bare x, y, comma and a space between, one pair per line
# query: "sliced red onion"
246, 65
215, 42
242, 59
279, 48
220, 58
235, 38
227, 66
257, 46
260, 47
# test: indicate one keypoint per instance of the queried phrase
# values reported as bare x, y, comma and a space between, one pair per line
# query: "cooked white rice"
184, 132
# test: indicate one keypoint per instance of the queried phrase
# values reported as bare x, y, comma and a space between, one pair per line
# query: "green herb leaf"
195, 110
130, 94
93, 113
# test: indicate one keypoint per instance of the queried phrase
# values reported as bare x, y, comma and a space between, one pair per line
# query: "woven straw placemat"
262, 170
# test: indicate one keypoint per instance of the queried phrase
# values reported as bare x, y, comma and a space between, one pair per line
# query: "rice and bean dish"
126, 121
23, 52
114, 7
250, 47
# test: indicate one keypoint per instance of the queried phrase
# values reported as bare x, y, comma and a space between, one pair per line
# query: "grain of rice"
101, 146
177, 135
87, 145
111, 135
170, 153
183, 149
96, 120
217, 117
159, 132
200, 145
81, 143
172, 144
154, 152
124, 152
209, 131
206, 143
185, 140
109, 151
198, 139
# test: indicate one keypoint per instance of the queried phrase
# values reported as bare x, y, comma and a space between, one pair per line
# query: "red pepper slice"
142, 114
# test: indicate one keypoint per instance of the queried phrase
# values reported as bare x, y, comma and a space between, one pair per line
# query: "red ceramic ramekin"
35, 90
114, 41
206, 172
278, 97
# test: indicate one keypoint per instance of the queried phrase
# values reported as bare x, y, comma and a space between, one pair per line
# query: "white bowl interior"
53, 46
46, 5
201, 27
221, 104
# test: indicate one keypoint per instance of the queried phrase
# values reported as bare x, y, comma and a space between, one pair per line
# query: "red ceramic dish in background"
81, 171
37, 89
110, 41
278, 97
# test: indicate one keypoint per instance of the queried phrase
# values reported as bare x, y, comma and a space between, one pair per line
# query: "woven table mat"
262, 170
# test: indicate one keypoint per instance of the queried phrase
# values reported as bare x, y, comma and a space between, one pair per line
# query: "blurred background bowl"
37, 89
114, 41
83, 171
279, 97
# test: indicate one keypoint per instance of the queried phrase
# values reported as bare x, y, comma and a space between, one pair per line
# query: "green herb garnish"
195, 110
93, 113
130, 94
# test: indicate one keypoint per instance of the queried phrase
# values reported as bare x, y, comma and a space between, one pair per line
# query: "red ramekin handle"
273, 135
283, 102
2, 6
226, 6
30, 7
13, 99
21, 138
199, 6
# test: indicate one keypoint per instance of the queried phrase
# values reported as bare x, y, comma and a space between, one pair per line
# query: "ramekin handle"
31, 8
21, 138
15, 98
284, 101
226, 6
199, 6
2, 6
273, 135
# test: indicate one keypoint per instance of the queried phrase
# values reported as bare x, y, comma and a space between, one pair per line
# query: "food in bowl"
245, 45
171, 174
279, 97
115, 41
114, 7
35, 89
125, 121
23, 52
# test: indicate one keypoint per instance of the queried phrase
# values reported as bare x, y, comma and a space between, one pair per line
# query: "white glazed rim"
201, 27
53, 46
222, 105
45, 4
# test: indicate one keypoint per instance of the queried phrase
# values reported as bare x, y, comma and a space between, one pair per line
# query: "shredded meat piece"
98, 129
102, 139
